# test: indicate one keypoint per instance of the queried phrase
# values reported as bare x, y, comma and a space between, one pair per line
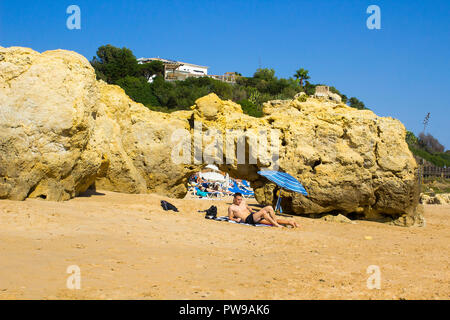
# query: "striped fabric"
284, 180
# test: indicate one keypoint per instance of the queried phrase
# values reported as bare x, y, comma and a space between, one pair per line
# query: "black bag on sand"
168, 206
211, 213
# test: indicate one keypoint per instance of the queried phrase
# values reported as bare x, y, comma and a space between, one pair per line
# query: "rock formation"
339, 218
441, 198
47, 110
350, 161
61, 131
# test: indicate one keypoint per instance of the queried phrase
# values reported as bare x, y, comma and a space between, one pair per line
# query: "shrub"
438, 159
139, 90
411, 139
250, 108
430, 143
302, 98
119, 66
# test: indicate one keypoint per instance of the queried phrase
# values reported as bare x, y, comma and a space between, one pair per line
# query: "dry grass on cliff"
436, 185
128, 247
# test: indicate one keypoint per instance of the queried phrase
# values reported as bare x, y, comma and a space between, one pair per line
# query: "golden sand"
127, 247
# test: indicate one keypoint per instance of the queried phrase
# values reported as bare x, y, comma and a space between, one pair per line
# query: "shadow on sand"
89, 193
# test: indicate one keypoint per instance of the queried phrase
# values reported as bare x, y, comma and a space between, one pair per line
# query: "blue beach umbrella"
284, 181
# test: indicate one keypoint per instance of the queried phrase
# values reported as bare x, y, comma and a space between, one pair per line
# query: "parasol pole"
278, 208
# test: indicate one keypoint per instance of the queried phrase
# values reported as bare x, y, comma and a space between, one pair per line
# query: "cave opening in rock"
315, 164
223, 181
286, 200
355, 215
262, 191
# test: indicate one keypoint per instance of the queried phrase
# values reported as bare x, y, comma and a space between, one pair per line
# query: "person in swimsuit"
239, 211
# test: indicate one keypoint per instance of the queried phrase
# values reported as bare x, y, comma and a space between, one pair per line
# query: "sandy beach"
128, 247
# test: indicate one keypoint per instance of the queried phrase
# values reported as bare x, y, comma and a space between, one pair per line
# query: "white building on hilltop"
177, 70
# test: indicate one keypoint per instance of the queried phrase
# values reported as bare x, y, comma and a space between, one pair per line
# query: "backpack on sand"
211, 213
168, 206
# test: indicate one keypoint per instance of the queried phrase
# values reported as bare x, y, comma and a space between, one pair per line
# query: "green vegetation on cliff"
427, 147
119, 66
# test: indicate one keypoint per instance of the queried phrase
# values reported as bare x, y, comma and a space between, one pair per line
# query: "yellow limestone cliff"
62, 131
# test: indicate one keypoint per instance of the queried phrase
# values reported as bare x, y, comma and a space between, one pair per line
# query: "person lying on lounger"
239, 211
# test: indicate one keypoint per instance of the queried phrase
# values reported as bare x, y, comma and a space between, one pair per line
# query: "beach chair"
245, 193
191, 189
234, 188
245, 184
208, 195
244, 190
249, 194
200, 193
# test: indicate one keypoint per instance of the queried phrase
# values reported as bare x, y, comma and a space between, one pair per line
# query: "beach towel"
225, 218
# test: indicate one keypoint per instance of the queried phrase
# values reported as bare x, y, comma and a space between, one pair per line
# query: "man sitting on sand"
239, 211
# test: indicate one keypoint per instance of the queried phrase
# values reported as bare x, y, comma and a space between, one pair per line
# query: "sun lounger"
207, 195
245, 184
244, 192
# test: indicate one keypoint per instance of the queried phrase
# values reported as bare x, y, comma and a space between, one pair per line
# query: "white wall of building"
185, 68
193, 69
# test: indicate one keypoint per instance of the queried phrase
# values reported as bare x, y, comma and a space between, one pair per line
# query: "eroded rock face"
47, 102
137, 143
61, 130
350, 161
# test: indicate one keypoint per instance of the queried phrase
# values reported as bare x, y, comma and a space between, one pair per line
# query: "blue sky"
401, 70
